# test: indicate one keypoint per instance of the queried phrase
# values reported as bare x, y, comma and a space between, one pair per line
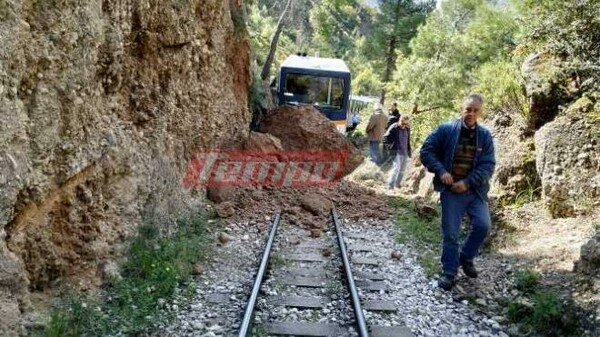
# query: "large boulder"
420, 181
316, 204
305, 128
262, 142
589, 262
568, 161
256, 145
515, 176
546, 86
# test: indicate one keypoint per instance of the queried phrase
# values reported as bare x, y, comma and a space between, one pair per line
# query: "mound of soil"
308, 207
305, 128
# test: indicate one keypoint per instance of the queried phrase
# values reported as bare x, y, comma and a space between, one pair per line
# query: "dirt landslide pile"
290, 129
305, 128
307, 207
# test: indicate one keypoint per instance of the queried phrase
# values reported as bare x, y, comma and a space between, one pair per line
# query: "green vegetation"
429, 59
528, 194
527, 279
155, 267
460, 49
355, 136
262, 26
422, 231
544, 314
539, 310
369, 39
259, 331
277, 260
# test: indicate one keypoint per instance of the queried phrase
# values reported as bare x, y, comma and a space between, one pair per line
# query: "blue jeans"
395, 179
374, 151
454, 207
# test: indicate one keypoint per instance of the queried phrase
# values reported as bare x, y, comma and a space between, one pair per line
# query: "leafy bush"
547, 311
518, 310
499, 83
545, 314
527, 279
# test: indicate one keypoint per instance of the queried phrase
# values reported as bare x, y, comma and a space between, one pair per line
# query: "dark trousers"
454, 207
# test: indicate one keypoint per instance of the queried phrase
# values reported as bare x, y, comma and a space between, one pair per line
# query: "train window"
320, 91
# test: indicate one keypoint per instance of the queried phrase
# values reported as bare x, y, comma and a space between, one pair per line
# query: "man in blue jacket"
461, 155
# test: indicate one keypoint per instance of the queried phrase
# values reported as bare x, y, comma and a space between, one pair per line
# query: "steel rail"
246, 327
360, 317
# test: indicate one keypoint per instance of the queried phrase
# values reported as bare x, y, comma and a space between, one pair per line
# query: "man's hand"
447, 179
459, 187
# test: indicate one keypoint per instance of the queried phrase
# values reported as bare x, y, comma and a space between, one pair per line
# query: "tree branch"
266, 70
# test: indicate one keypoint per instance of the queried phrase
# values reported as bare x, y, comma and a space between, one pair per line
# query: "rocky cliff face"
568, 161
554, 147
101, 104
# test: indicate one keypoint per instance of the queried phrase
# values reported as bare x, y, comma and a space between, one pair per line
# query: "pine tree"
394, 27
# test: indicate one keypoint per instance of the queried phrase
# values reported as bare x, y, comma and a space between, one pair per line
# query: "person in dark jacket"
461, 155
393, 115
397, 138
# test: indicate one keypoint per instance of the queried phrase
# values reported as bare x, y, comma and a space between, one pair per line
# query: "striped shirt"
464, 154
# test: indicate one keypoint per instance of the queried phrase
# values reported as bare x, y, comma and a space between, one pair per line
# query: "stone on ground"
316, 204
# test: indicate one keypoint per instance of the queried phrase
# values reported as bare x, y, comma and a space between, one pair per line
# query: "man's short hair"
475, 97
404, 118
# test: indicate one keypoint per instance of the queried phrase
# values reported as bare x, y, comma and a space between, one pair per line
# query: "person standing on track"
461, 155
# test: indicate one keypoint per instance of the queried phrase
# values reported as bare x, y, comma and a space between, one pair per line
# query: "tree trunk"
266, 70
389, 67
390, 57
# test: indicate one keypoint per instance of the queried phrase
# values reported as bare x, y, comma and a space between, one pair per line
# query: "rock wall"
101, 104
568, 161
546, 86
515, 178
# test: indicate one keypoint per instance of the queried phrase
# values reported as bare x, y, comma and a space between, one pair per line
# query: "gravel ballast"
223, 287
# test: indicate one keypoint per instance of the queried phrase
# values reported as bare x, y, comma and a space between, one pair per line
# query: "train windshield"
320, 91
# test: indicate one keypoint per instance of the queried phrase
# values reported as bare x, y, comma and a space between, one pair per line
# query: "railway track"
317, 287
